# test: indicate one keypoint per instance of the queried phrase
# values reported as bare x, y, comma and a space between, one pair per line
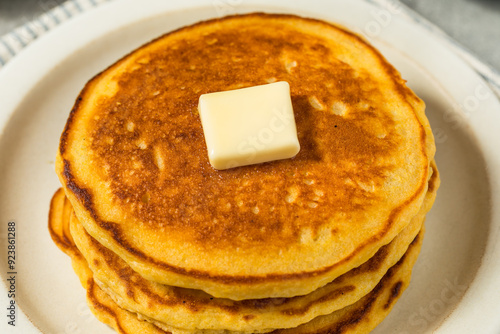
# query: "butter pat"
249, 125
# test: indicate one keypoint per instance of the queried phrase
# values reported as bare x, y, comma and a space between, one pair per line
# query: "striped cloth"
488, 73
16, 40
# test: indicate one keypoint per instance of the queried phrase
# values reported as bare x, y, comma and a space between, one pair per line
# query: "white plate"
455, 286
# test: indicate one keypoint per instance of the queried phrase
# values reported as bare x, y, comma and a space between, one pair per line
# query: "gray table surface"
473, 23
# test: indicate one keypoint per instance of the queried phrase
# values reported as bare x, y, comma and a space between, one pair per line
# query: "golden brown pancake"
197, 311
194, 310
360, 317
133, 162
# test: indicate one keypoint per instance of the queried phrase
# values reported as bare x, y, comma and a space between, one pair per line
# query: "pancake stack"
322, 242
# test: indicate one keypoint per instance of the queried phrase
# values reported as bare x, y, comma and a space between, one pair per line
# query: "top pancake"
133, 160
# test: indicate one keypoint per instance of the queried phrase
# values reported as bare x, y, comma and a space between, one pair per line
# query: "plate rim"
78, 32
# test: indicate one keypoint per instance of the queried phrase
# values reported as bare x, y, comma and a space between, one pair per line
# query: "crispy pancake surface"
133, 162
360, 317
194, 310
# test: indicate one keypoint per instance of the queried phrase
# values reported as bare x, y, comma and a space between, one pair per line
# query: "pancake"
360, 317
132, 159
192, 310
100, 303
196, 311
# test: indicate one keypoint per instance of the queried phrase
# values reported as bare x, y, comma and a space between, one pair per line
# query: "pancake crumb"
290, 65
368, 187
319, 192
312, 205
363, 105
293, 193
381, 135
159, 162
313, 100
339, 108
212, 41
141, 144
130, 126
